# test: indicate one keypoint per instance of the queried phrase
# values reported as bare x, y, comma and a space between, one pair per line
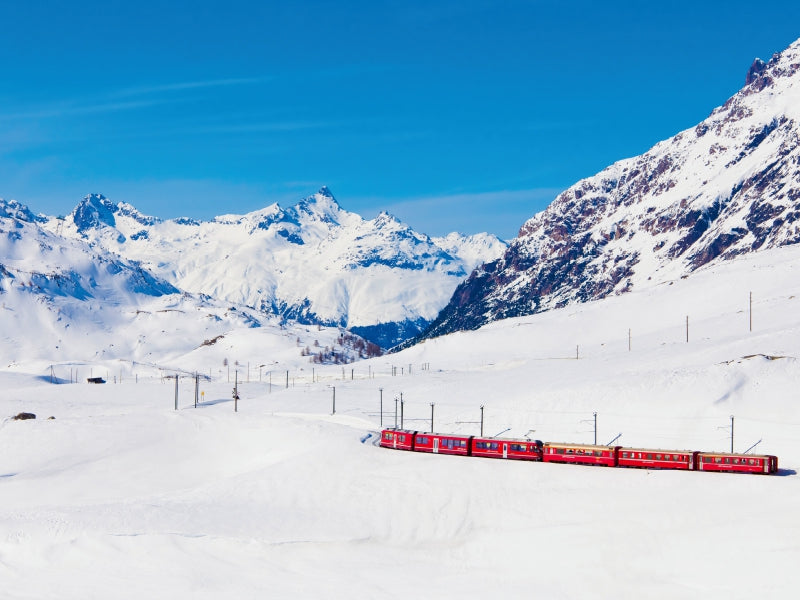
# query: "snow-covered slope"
121, 496
313, 262
729, 186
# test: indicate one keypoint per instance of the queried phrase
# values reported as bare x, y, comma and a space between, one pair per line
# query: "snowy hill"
313, 262
727, 187
121, 496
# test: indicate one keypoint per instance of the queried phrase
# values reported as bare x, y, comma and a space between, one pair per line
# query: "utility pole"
381, 392
176, 391
731, 434
402, 408
481, 420
595, 428
395, 412
432, 405
196, 388
236, 393
334, 400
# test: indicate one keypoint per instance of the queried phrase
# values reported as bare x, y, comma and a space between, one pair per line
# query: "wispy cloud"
115, 100
266, 127
68, 109
187, 85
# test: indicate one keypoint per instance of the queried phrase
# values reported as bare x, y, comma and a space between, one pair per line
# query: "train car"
646, 458
507, 448
581, 454
440, 443
399, 439
736, 463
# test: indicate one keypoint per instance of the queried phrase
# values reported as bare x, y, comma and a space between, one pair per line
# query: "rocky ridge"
728, 186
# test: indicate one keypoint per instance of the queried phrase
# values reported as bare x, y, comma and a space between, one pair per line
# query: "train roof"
736, 455
585, 446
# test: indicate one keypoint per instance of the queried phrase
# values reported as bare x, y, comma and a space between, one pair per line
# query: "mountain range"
313, 263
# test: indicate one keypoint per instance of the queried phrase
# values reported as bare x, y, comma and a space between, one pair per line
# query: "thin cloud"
187, 85
113, 103
56, 111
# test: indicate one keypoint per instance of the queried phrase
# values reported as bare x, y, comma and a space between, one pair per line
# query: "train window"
717, 459
727, 461
751, 461
559, 451
402, 438
649, 457
658, 457
624, 455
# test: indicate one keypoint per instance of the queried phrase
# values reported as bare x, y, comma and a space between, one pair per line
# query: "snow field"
122, 496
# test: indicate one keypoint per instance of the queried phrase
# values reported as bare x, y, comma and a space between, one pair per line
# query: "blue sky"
453, 115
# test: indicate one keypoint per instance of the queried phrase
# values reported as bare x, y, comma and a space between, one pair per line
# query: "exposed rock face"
728, 186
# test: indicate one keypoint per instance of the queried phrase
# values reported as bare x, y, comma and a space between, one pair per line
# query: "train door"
505, 450
394, 440
436, 445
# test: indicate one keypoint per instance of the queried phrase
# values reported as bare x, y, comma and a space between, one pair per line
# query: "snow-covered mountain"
65, 299
729, 186
314, 262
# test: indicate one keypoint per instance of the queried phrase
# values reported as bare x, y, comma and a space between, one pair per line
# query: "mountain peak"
16, 210
321, 206
754, 71
94, 211
325, 193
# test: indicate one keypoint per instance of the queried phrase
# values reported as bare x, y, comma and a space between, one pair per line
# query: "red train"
609, 456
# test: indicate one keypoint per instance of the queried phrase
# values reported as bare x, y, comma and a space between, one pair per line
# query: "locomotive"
609, 456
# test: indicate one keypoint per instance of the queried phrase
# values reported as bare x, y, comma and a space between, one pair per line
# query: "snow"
122, 496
